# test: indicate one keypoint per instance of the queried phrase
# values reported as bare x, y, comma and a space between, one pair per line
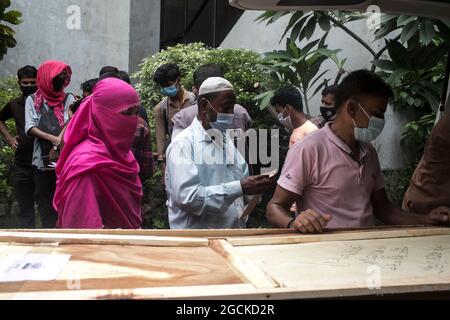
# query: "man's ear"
351, 107
195, 91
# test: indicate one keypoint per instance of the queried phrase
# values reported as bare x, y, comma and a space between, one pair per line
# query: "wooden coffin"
233, 264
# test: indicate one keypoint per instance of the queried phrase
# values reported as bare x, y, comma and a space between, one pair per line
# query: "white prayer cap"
215, 84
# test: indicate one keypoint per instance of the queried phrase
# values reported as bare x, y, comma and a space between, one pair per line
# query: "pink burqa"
98, 184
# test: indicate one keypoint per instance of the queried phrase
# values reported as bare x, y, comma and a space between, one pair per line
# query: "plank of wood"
108, 267
183, 292
219, 292
245, 268
336, 236
359, 264
201, 233
36, 237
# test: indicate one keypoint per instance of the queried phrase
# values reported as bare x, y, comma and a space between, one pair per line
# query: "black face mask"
28, 90
58, 84
328, 113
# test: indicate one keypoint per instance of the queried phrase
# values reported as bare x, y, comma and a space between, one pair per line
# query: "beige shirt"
162, 133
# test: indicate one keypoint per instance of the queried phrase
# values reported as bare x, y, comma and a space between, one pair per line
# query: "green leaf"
293, 49
397, 75
385, 64
309, 28
319, 77
398, 53
426, 31
13, 17
320, 87
408, 31
324, 23
306, 49
294, 19
298, 27
264, 99
404, 20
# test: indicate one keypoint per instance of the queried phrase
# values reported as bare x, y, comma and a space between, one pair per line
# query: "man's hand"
310, 221
256, 184
56, 141
13, 142
440, 215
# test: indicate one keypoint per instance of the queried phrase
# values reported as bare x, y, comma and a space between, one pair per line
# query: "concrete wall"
113, 32
257, 36
145, 28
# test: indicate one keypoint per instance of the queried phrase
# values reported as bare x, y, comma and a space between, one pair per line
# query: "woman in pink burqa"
98, 184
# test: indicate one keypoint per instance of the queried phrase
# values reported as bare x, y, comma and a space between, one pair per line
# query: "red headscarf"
55, 100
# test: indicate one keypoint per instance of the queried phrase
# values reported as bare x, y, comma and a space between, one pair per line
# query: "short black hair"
362, 82
27, 72
108, 69
207, 71
89, 85
74, 106
288, 95
124, 76
109, 75
330, 90
167, 73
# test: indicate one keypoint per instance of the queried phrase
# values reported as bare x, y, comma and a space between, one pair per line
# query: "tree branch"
350, 33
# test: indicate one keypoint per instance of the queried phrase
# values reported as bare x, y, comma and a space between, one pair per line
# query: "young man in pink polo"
334, 174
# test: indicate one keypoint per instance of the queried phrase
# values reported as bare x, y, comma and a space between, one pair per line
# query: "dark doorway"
187, 21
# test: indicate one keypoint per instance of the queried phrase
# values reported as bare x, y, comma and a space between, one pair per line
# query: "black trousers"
24, 191
45, 182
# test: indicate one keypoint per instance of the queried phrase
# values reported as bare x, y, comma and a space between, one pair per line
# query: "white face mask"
286, 121
376, 126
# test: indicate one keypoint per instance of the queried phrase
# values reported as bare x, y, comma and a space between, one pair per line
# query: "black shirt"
15, 109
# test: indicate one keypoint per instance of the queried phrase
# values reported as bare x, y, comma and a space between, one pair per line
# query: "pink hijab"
98, 184
55, 100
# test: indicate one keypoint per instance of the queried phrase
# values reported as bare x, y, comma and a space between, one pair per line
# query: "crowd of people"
83, 158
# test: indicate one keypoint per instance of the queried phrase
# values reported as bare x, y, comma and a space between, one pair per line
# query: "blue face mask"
224, 122
170, 92
376, 126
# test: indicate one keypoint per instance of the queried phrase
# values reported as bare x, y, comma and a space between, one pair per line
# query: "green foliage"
416, 71
7, 33
397, 182
240, 67
154, 209
298, 67
6, 160
9, 90
414, 67
416, 133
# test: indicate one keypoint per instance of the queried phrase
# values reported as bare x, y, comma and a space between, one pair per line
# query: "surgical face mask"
286, 121
376, 126
224, 121
328, 113
170, 92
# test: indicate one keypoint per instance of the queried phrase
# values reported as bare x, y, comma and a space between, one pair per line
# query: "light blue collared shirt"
203, 181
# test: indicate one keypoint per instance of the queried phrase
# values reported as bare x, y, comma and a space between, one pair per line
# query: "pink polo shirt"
320, 170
